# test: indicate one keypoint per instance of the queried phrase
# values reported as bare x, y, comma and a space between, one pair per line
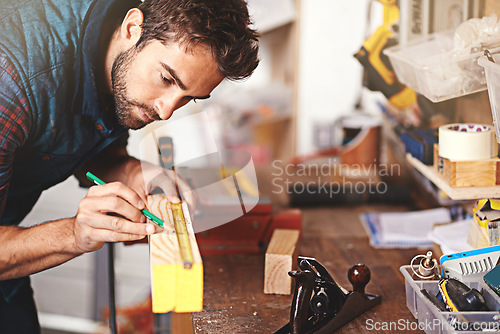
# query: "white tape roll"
462, 142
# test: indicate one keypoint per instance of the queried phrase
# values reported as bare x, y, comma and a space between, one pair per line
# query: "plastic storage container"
433, 69
492, 74
431, 320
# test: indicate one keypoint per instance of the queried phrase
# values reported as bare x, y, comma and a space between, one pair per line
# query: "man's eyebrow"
179, 82
200, 97
174, 75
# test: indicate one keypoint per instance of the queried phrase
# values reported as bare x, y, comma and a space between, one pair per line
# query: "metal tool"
166, 152
320, 305
427, 268
182, 235
488, 55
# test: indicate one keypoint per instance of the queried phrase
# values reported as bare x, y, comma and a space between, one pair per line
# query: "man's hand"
110, 213
148, 177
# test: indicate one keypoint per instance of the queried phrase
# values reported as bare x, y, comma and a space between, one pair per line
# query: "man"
75, 75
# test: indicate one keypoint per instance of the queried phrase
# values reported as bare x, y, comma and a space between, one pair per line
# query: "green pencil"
148, 214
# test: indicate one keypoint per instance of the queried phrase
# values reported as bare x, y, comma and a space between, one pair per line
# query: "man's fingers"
113, 236
117, 223
117, 189
158, 229
112, 205
174, 185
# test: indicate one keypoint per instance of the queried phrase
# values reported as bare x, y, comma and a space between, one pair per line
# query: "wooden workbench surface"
234, 301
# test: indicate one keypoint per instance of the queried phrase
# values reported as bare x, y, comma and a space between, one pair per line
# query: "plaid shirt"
15, 122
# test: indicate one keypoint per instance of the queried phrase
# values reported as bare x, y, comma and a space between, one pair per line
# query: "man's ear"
130, 29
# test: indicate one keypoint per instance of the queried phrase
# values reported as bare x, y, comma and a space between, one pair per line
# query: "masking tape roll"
466, 142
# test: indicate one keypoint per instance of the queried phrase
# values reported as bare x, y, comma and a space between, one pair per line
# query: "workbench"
234, 301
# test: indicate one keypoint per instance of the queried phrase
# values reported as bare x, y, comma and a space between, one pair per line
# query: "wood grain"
476, 173
455, 193
279, 260
173, 287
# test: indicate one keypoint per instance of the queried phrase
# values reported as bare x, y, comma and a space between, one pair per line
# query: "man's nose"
165, 107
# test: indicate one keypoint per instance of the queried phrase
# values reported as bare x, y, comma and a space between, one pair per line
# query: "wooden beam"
280, 256
173, 287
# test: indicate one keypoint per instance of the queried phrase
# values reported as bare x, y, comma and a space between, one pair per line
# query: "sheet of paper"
411, 226
452, 238
403, 229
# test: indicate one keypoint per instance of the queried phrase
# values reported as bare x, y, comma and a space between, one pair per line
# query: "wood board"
474, 173
460, 193
173, 287
280, 257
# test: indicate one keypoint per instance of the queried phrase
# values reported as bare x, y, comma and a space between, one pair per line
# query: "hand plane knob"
359, 276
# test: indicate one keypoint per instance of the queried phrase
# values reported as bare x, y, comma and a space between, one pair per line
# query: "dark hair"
221, 25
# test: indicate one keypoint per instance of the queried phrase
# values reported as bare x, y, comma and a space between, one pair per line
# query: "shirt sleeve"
14, 122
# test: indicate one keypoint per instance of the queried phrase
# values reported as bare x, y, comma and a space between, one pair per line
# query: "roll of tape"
462, 142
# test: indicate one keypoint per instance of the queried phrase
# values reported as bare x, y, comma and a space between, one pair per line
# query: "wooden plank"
279, 260
173, 287
477, 173
458, 193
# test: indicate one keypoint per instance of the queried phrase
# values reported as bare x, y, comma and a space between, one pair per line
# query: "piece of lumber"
480, 173
279, 260
455, 193
173, 287
474, 173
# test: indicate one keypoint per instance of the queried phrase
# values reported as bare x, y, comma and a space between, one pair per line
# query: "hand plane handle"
304, 281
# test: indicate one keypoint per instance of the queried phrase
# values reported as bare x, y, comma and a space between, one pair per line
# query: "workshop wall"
329, 77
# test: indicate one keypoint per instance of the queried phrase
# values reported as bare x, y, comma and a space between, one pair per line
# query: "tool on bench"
379, 73
182, 235
459, 297
470, 265
166, 152
320, 305
427, 267
456, 297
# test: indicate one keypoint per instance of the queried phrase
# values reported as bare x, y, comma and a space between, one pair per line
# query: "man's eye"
165, 80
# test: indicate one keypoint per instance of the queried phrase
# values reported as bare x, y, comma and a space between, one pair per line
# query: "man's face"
151, 84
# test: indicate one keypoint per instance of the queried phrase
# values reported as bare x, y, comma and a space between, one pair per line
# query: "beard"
124, 105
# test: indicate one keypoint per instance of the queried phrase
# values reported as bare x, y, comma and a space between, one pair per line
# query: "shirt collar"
87, 98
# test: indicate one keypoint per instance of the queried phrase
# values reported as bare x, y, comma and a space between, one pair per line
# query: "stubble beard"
123, 105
